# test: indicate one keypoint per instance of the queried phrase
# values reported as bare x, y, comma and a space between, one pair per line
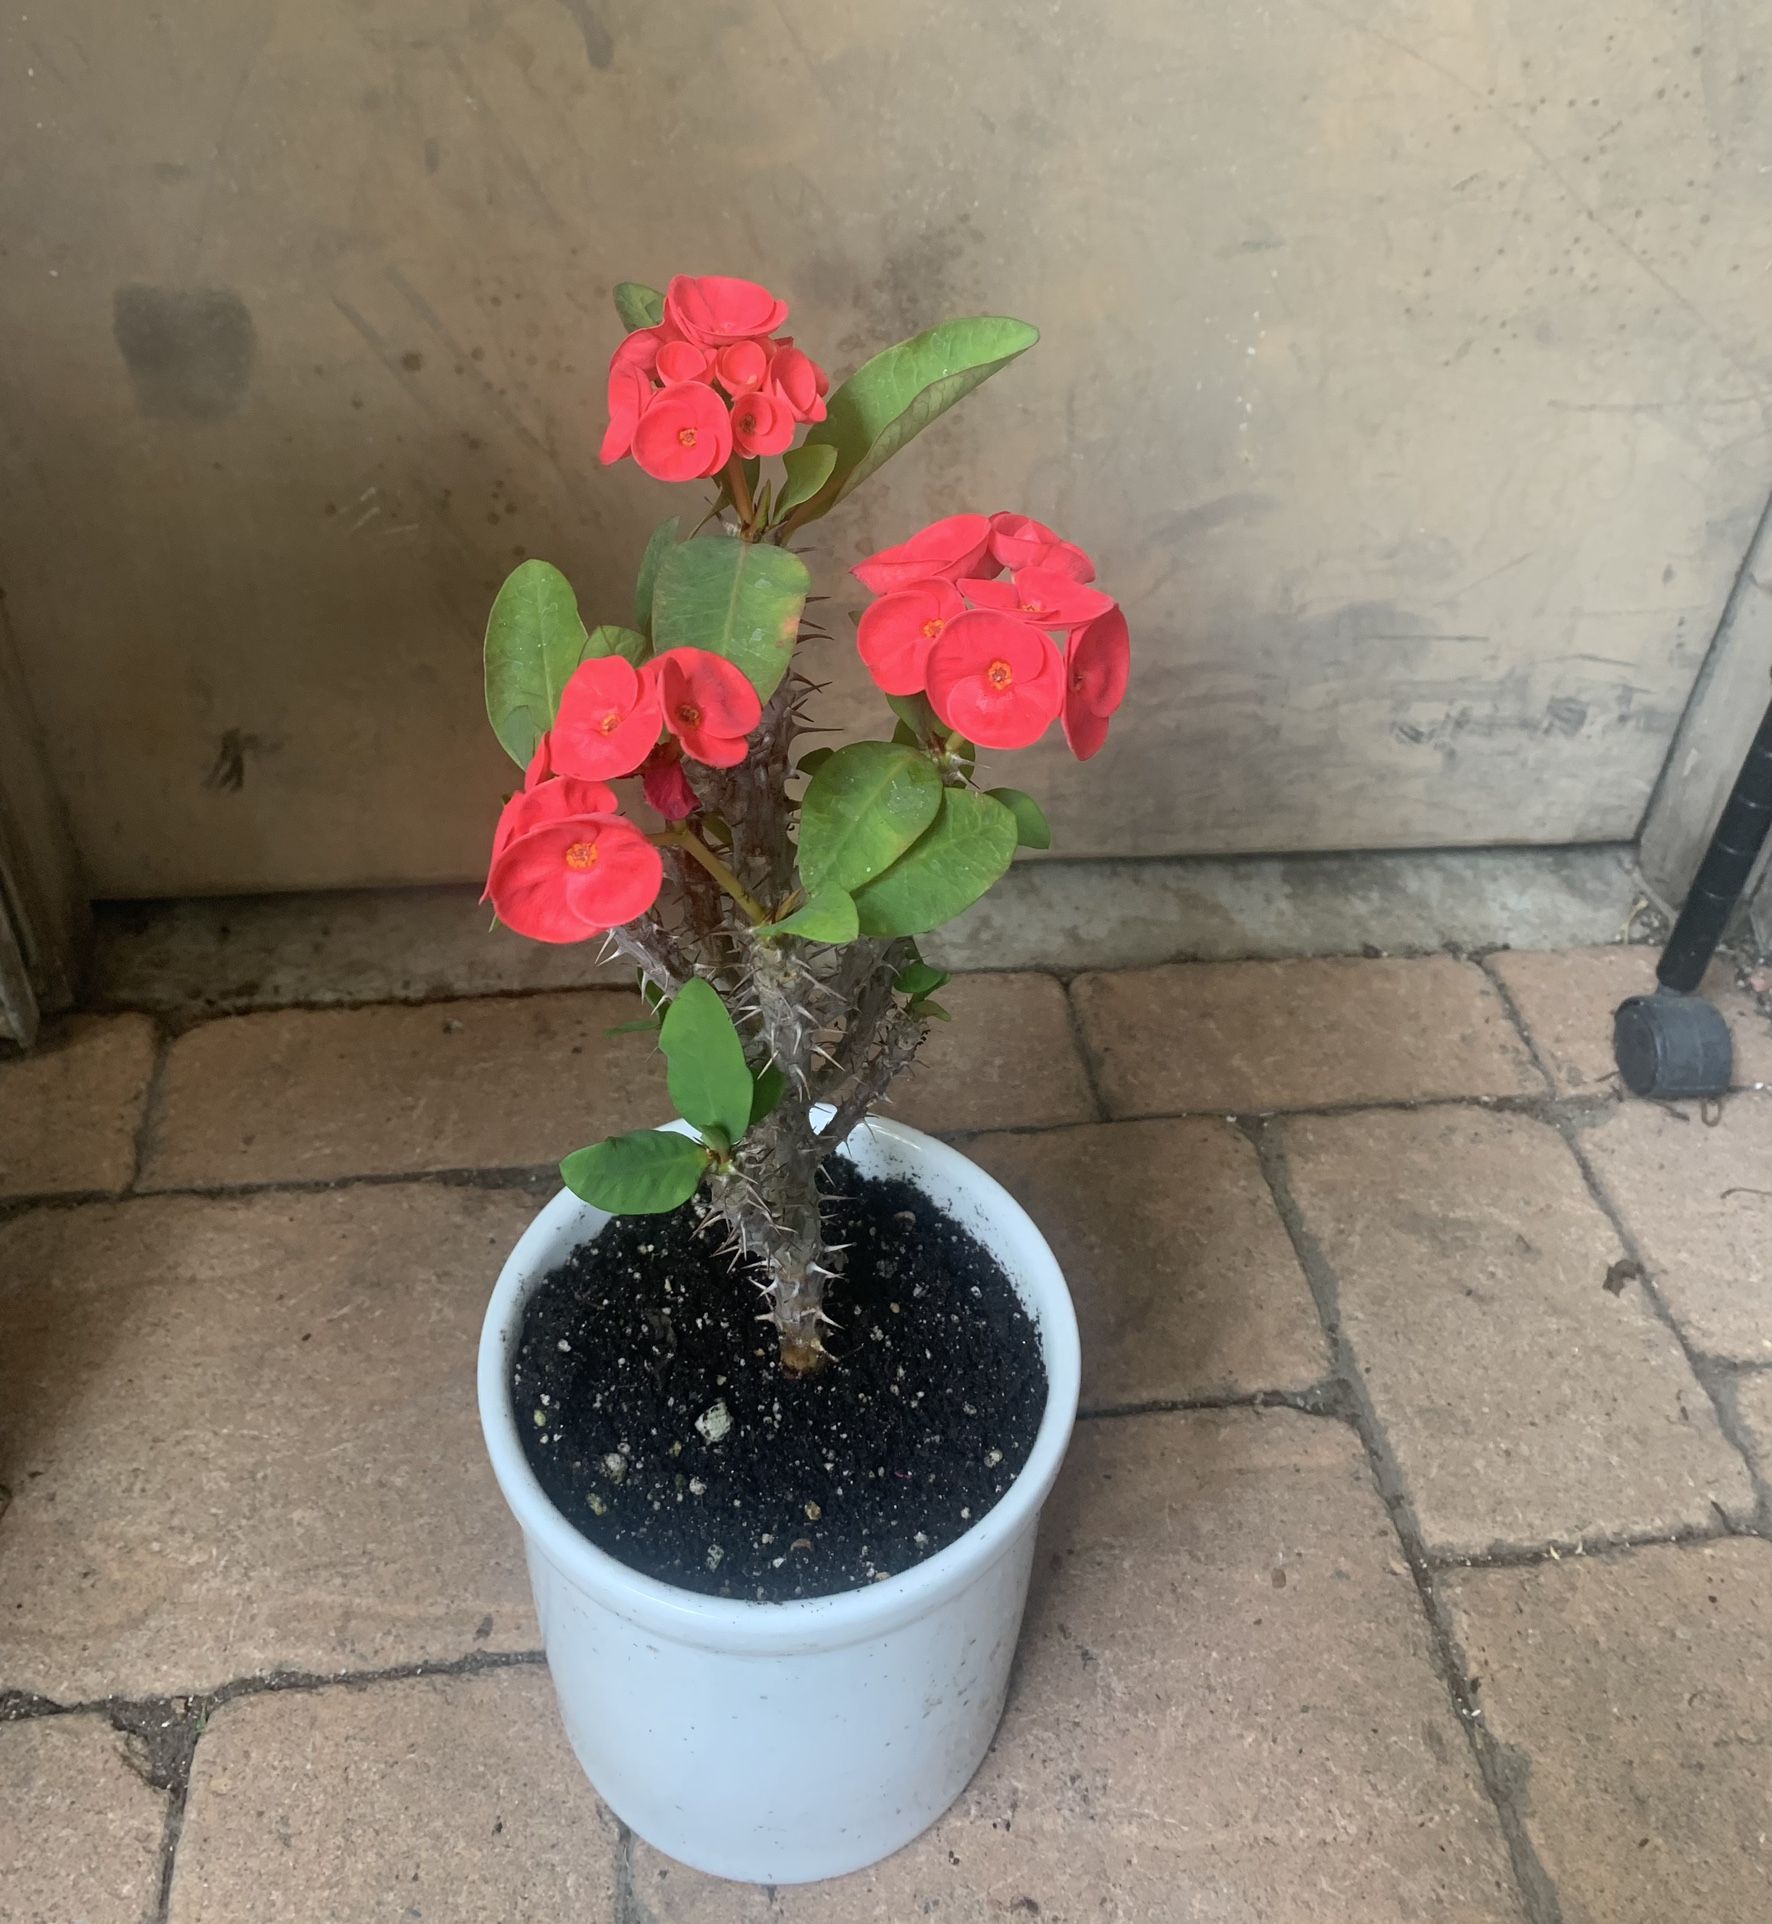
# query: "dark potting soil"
656, 1415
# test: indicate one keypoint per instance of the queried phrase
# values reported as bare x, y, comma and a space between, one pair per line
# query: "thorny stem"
740, 490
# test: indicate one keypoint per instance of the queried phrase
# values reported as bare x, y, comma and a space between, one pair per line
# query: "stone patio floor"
1414, 1559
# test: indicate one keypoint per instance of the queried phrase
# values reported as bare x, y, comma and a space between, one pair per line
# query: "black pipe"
1723, 874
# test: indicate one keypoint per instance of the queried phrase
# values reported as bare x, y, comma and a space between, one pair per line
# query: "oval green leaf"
612, 640
892, 398
808, 469
766, 1091
709, 1080
861, 811
663, 537
534, 640
1031, 825
967, 847
740, 599
638, 305
643, 1174
828, 915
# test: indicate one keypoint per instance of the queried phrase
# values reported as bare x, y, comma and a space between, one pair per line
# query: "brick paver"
70, 1109
1009, 1058
444, 1799
303, 1093
1244, 1037
80, 1829
1224, 1708
241, 1436
1698, 1202
1183, 1275
1566, 998
1525, 1400
1634, 1696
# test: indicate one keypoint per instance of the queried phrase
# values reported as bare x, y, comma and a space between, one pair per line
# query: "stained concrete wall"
1406, 363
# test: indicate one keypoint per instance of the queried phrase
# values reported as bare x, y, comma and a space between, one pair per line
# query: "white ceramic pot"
781, 1742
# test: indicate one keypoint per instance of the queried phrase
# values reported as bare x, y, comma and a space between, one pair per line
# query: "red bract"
1097, 668
898, 631
714, 308
761, 425
640, 348
667, 787
573, 876
1018, 541
629, 391
995, 679
709, 705
685, 434
800, 381
607, 721
682, 361
549, 801
945, 550
1041, 597
742, 366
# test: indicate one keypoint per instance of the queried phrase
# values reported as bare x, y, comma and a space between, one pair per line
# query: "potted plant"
777, 1397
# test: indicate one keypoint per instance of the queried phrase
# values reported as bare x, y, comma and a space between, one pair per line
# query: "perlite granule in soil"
655, 1413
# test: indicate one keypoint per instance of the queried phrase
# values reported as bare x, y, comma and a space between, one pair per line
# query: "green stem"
698, 851
740, 490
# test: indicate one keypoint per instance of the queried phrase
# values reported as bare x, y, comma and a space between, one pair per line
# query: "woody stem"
698, 851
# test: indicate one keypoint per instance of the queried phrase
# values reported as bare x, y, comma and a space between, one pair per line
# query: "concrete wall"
1406, 363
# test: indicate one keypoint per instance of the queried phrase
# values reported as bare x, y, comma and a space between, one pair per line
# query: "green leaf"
892, 398
643, 1174
638, 305
808, 469
968, 846
767, 1087
1031, 826
827, 915
923, 1006
664, 536
813, 760
534, 640
709, 1080
740, 599
919, 978
641, 1025
861, 811
915, 716
611, 640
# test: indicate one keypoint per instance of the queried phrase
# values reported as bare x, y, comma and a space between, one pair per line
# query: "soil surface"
655, 1413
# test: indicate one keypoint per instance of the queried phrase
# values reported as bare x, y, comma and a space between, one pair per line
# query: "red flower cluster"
713, 378
999, 660
565, 863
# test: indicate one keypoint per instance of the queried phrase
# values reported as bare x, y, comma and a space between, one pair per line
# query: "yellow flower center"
689, 715
581, 855
999, 674
610, 722
686, 436
933, 627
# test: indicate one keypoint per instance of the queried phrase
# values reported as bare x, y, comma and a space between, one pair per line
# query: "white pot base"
779, 1743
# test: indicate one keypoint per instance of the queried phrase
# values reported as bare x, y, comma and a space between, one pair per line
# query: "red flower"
709, 705
741, 366
1041, 597
945, 549
1017, 541
800, 381
995, 679
667, 787
714, 309
1097, 668
629, 391
541, 763
898, 631
761, 424
573, 875
685, 433
607, 721
640, 348
682, 361
548, 801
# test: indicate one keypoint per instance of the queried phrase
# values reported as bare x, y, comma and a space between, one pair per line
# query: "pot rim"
804, 1623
